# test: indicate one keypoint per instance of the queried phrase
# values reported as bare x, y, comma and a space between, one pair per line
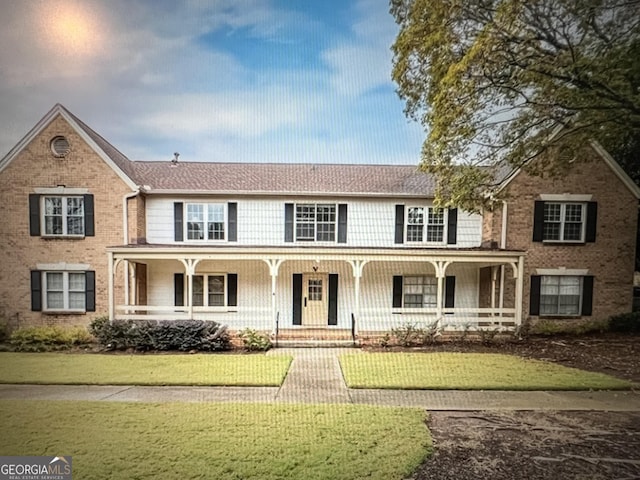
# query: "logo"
35, 468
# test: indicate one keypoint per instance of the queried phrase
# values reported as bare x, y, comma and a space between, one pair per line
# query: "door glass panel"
315, 290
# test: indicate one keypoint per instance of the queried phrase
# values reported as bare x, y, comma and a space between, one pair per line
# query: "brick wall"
35, 167
610, 258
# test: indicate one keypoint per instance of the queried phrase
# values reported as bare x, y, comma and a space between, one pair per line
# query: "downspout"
125, 230
503, 246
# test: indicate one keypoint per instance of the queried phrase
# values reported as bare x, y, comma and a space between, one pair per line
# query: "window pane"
436, 216
216, 231
326, 232
414, 233
55, 300
315, 290
305, 222
560, 295
573, 213
420, 292
415, 216
76, 282
435, 233
198, 291
215, 213
552, 212
75, 206
75, 225
77, 300
195, 231
53, 225
53, 206
55, 281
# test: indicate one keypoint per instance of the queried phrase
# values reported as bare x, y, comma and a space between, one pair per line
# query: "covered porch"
269, 289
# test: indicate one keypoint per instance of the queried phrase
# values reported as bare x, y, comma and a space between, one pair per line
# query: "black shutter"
587, 295
36, 290
178, 228
449, 291
233, 221
232, 289
397, 291
534, 295
342, 223
297, 299
333, 299
452, 226
399, 224
592, 220
89, 222
288, 222
34, 214
178, 289
90, 290
538, 221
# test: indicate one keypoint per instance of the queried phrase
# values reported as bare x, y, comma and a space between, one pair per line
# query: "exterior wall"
371, 222
137, 220
36, 167
610, 258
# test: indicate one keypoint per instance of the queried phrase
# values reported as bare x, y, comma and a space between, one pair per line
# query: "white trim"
570, 272
63, 266
60, 190
565, 197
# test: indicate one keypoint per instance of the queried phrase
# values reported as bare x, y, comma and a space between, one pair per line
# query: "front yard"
218, 441
468, 371
120, 369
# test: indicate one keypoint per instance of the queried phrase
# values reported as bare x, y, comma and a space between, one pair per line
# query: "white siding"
371, 222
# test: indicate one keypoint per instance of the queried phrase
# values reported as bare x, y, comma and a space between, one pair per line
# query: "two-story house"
301, 246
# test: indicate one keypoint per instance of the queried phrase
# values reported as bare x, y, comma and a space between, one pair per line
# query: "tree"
491, 80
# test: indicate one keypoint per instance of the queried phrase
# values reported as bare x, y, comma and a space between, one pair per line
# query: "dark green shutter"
592, 220
297, 299
449, 292
399, 236
232, 289
233, 221
333, 299
90, 290
342, 223
397, 291
34, 214
89, 225
534, 295
538, 221
178, 289
452, 226
36, 290
178, 227
288, 222
587, 295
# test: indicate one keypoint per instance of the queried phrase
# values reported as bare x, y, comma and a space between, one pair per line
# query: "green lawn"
218, 441
468, 371
95, 369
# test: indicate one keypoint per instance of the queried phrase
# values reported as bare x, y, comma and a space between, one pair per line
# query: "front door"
314, 300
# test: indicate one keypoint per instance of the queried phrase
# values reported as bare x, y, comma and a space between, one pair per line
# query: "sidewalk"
315, 377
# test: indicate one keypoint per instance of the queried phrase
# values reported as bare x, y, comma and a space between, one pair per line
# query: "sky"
215, 80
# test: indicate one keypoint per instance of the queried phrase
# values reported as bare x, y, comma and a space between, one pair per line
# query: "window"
420, 292
431, 230
208, 291
64, 291
64, 215
560, 295
563, 222
205, 221
315, 222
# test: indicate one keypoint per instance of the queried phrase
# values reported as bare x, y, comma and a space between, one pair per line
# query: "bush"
4, 330
561, 327
42, 339
411, 335
255, 341
181, 335
625, 323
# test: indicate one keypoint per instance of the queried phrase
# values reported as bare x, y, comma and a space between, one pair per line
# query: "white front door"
314, 300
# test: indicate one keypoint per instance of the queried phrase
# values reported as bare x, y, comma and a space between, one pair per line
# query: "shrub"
42, 339
560, 327
255, 341
411, 335
181, 335
625, 323
4, 330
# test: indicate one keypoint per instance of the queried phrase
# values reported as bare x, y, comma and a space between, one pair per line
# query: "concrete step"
302, 343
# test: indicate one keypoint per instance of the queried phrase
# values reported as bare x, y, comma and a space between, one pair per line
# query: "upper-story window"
316, 222
565, 219
63, 215
425, 224
205, 221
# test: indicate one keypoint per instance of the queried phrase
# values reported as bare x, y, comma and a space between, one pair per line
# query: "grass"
218, 441
96, 369
468, 371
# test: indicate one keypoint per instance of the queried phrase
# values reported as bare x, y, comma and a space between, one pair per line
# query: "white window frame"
205, 290
429, 213
205, 209
563, 221
314, 223
66, 290
427, 282
560, 278
64, 199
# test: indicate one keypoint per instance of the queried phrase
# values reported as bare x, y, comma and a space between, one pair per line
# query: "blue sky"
216, 80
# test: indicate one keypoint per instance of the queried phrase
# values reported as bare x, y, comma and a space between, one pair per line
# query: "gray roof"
284, 178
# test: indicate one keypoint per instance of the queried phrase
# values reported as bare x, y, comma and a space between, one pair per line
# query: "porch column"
519, 275
357, 267
274, 266
494, 275
125, 271
441, 268
190, 269
110, 286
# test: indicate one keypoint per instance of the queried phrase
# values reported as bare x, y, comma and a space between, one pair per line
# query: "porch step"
317, 344
315, 334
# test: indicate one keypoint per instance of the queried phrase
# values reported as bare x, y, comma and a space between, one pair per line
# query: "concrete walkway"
315, 377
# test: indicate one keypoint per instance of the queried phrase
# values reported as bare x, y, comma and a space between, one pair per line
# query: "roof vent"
174, 160
60, 146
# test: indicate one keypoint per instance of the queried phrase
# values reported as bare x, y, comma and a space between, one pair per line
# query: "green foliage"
42, 339
413, 335
625, 323
489, 80
181, 335
563, 327
255, 341
4, 330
